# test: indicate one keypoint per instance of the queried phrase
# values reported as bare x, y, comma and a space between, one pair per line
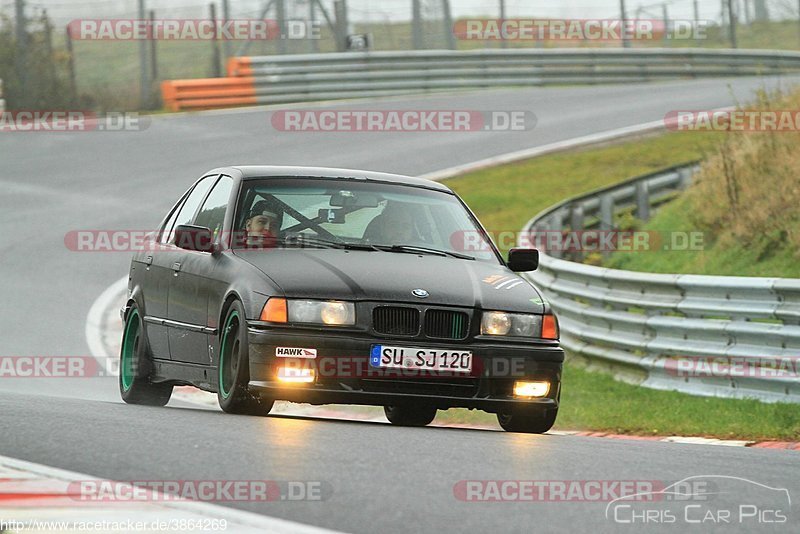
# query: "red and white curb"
375, 415
36, 498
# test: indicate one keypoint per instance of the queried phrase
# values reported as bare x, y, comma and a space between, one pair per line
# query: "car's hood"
391, 277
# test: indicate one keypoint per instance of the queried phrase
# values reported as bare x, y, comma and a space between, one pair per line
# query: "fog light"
531, 389
295, 375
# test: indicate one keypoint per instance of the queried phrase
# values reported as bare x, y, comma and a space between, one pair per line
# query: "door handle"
148, 260
176, 267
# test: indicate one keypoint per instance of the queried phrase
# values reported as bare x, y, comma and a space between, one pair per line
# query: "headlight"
335, 313
496, 323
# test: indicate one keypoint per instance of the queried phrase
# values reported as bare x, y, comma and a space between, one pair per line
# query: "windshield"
287, 212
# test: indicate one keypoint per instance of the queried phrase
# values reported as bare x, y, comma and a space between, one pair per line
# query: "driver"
263, 225
396, 224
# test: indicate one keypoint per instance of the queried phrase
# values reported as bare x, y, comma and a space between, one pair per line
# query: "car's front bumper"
343, 374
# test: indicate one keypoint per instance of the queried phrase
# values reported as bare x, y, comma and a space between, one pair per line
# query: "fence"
705, 335
309, 77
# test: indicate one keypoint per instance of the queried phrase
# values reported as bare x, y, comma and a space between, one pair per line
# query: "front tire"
528, 424
233, 368
135, 366
407, 415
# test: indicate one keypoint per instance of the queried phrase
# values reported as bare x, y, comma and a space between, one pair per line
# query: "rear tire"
528, 424
136, 367
410, 415
233, 369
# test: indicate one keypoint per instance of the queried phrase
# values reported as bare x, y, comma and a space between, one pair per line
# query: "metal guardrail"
645, 327
310, 77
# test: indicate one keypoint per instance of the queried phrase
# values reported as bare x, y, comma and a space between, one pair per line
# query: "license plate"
391, 357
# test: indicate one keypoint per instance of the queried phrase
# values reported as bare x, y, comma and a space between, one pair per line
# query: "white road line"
97, 318
239, 521
559, 146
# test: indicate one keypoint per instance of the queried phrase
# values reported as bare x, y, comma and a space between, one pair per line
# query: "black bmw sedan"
322, 286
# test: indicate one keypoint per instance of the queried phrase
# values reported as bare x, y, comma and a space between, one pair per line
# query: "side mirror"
523, 260
197, 238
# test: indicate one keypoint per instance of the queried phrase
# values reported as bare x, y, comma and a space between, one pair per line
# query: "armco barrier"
208, 93
308, 77
641, 326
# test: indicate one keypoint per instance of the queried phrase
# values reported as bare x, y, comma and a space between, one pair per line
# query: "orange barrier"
239, 66
208, 93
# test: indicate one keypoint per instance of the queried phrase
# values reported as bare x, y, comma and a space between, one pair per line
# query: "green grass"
598, 402
713, 258
506, 197
594, 401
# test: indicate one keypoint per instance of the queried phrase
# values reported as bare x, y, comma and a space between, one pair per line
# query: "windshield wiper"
304, 240
414, 249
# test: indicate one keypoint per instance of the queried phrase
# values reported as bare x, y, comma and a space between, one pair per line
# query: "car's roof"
250, 172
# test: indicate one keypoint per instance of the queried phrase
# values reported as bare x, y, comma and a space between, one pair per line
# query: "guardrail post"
576, 217
686, 177
576, 222
643, 200
606, 216
555, 224
606, 212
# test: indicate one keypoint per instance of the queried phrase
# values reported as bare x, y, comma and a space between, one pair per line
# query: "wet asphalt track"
381, 479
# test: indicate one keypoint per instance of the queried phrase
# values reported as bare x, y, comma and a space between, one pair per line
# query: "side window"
165, 232
212, 214
187, 211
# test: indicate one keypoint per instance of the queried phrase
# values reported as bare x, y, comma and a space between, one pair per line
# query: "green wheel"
135, 366
233, 368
